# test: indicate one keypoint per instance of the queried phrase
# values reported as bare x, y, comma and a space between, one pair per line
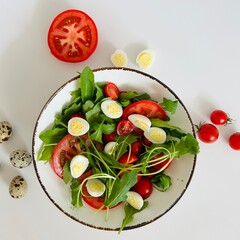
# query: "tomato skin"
109, 137
136, 147
111, 90
160, 165
207, 133
147, 108
67, 148
143, 187
127, 158
64, 36
124, 127
234, 141
146, 142
219, 117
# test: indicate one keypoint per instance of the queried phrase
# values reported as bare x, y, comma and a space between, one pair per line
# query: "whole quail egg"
5, 131
18, 187
20, 158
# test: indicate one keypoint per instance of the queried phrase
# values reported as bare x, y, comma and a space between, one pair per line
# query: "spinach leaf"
120, 188
93, 114
53, 135
129, 214
156, 122
45, 152
87, 84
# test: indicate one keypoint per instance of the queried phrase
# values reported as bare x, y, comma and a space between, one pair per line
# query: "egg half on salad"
78, 165
78, 126
111, 109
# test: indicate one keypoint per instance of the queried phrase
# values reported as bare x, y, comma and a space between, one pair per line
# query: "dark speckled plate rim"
35, 161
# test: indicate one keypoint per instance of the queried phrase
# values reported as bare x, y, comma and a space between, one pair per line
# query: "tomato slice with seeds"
68, 147
72, 36
147, 108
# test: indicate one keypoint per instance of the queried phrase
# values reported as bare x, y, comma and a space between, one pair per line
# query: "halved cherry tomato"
147, 108
72, 36
68, 147
124, 127
145, 141
127, 158
112, 91
136, 147
143, 187
78, 115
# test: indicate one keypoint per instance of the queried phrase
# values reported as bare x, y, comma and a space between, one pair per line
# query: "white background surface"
197, 55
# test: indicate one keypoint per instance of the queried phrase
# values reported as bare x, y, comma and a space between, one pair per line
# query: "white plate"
181, 170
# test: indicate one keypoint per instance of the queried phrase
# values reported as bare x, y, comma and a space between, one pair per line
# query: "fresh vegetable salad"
112, 146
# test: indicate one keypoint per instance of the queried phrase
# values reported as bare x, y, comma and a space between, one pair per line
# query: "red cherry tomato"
137, 131
72, 36
136, 147
166, 163
219, 117
124, 127
80, 115
68, 147
127, 158
207, 133
146, 142
234, 141
147, 108
109, 137
112, 91
143, 187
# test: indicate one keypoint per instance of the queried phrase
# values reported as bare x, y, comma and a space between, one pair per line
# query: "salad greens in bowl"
114, 148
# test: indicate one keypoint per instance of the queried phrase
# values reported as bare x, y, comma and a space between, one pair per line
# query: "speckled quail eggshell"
18, 187
20, 158
5, 131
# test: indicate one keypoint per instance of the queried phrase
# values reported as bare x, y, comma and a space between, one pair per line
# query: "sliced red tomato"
147, 108
127, 158
124, 127
112, 91
72, 36
68, 147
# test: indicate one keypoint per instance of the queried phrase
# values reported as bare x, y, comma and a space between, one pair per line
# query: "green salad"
112, 146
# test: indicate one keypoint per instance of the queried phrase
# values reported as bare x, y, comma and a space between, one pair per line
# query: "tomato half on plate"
72, 36
68, 147
147, 108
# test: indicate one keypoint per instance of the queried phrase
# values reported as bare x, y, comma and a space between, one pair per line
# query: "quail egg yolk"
145, 59
135, 200
78, 165
95, 187
156, 135
119, 58
111, 109
140, 121
76, 127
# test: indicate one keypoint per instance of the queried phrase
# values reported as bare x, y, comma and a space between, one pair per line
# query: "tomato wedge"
72, 36
112, 91
68, 147
147, 108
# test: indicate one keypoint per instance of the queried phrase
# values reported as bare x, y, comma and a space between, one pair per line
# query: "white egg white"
95, 187
119, 58
78, 165
140, 121
156, 135
111, 109
145, 58
135, 199
110, 147
78, 126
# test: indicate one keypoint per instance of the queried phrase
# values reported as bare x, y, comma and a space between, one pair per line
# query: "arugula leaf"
169, 105
127, 98
120, 188
129, 214
87, 84
123, 143
97, 135
107, 128
162, 182
99, 92
67, 177
88, 105
53, 135
76, 194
